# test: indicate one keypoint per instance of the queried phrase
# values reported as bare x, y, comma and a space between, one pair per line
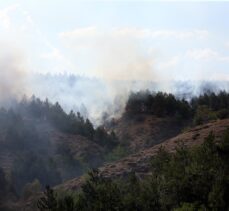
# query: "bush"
203, 115
117, 153
31, 189
223, 114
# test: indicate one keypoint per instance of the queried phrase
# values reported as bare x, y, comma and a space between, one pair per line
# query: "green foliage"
203, 115
35, 156
190, 207
72, 123
48, 202
67, 123
99, 193
30, 167
70, 166
214, 101
159, 104
189, 179
32, 188
223, 113
201, 109
117, 153
66, 203
109, 141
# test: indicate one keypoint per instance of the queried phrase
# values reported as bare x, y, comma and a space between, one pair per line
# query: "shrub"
32, 188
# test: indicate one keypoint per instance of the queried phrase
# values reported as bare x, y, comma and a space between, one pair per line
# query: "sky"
121, 40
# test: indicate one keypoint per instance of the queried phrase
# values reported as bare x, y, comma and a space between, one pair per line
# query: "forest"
200, 109
23, 131
190, 179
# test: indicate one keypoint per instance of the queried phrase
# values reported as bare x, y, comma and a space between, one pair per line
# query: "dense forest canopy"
202, 108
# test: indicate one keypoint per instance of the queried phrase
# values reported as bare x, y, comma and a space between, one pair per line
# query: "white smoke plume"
13, 73
121, 68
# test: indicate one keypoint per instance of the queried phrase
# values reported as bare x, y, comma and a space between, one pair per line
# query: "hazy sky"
118, 39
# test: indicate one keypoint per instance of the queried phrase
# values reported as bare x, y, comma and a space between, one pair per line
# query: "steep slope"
139, 162
143, 130
63, 148
56, 143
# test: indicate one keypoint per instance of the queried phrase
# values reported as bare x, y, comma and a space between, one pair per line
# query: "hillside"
143, 130
139, 162
79, 147
42, 144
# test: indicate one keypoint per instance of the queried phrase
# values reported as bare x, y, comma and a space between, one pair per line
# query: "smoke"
121, 67
122, 59
100, 99
110, 54
113, 62
92, 97
13, 73
118, 63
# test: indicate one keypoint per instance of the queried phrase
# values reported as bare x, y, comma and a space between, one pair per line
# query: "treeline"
210, 106
214, 101
187, 180
72, 123
161, 104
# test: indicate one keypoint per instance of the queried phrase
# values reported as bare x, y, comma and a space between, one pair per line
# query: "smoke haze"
95, 98
13, 73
